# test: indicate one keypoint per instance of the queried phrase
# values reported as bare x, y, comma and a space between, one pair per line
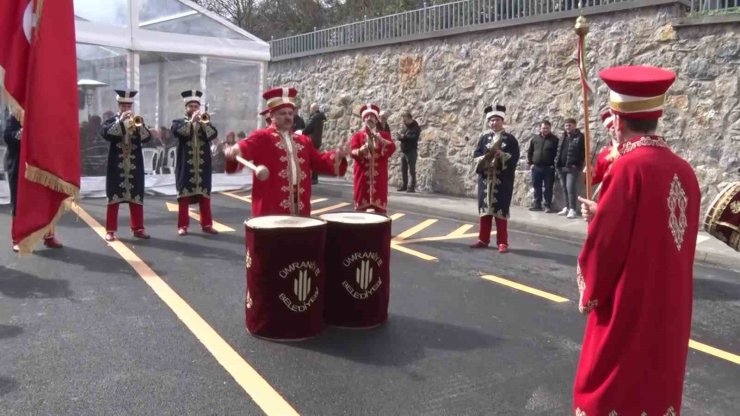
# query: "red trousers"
502, 234
137, 217
183, 217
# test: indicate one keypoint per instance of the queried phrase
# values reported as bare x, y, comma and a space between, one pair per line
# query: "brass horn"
205, 118
138, 121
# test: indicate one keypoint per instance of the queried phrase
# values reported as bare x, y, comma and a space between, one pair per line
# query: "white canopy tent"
160, 48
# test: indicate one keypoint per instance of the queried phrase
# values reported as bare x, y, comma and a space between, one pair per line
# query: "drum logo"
367, 274
305, 290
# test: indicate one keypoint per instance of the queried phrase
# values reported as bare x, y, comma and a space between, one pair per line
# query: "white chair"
150, 160
160, 158
3, 152
171, 159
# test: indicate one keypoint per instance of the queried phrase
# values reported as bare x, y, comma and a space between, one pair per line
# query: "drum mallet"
260, 171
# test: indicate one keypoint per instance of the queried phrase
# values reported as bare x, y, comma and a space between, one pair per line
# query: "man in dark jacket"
409, 138
298, 122
541, 158
569, 163
315, 130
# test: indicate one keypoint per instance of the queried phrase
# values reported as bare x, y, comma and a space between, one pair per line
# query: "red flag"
15, 33
50, 154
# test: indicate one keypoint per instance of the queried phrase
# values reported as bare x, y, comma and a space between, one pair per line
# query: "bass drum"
723, 216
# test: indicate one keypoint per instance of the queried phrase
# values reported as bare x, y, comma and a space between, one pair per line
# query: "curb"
337, 190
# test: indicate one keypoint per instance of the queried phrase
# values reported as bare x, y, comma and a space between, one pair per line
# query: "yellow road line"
264, 395
331, 208
415, 229
442, 238
397, 216
317, 200
216, 225
460, 231
412, 252
707, 349
523, 288
733, 358
236, 196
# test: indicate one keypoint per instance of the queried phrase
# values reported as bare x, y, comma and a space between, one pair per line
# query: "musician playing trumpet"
495, 158
125, 173
371, 149
193, 167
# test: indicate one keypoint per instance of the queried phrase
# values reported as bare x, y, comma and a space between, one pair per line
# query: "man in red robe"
635, 271
371, 149
608, 153
289, 158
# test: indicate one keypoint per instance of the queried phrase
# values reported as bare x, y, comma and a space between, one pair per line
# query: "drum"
357, 258
723, 216
285, 277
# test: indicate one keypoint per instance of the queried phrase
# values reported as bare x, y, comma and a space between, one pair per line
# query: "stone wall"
446, 82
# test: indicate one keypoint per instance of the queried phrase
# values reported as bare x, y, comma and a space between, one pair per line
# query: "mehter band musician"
608, 154
371, 149
289, 158
125, 175
194, 133
496, 156
635, 271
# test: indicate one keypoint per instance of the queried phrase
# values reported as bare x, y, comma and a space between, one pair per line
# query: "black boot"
412, 188
401, 188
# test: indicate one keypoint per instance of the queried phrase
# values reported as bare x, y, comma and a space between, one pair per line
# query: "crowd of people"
634, 272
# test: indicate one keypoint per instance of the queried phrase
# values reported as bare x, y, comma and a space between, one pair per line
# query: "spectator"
315, 130
409, 138
541, 158
383, 125
298, 123
569, 163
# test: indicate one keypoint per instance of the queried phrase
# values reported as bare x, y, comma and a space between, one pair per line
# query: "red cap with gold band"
369, 109
607, 119
278, 98
637, 91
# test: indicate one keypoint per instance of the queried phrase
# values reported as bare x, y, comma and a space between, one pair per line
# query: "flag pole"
581, 29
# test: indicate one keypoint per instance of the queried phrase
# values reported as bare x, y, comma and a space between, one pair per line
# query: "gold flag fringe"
26, 245
51, 181
15, 109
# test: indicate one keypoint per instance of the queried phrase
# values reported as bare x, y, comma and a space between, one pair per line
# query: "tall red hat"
607, 119
278, 98
637, 91
368, 109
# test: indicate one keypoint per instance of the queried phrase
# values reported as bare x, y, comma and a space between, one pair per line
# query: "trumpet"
138, 121
204, 118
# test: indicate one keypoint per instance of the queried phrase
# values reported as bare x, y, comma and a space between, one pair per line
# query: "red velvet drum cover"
723, 216
285, 276
358, 247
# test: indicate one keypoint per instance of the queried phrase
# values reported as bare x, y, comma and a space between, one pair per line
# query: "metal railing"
458, 17
715, 7
426, 21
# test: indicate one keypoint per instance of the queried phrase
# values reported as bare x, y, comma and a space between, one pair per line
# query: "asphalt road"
82, 333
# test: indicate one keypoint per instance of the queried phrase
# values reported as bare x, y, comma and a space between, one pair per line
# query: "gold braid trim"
26, 245
51, 181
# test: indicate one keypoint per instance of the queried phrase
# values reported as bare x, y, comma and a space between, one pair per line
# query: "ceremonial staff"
582, 30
